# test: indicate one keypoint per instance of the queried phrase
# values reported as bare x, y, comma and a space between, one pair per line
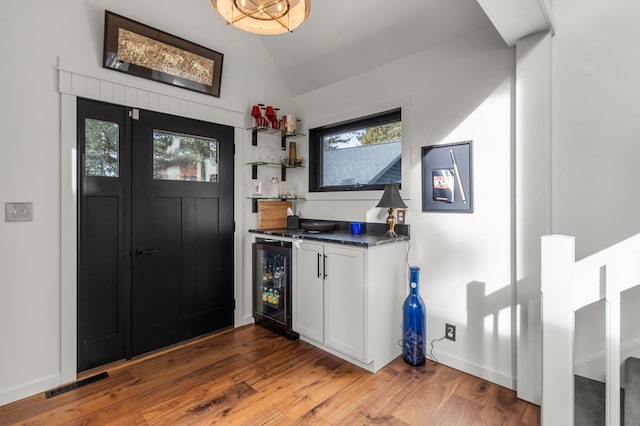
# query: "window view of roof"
365, 164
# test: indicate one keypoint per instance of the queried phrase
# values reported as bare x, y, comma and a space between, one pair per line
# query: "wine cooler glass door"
272, 271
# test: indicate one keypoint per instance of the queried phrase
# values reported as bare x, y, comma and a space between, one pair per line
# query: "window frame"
316, 146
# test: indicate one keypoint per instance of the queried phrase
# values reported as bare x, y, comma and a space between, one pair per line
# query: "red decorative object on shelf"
272, 117
256, 113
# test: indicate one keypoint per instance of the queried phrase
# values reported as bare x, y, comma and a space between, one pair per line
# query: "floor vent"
71, 386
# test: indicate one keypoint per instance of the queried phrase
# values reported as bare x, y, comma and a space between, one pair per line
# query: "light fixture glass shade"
263, 16
391, 197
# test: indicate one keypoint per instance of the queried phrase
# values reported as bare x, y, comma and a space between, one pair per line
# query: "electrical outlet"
401, 215
450, 332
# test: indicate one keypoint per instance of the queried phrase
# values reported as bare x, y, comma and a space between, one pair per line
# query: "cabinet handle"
319, 255
145, 252
324, 266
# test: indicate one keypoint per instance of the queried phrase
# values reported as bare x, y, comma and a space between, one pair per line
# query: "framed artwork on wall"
137, 49
447, 178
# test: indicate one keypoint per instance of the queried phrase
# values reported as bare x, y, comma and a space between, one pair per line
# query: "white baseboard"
371, 367
245, 320
477, 370
23, 391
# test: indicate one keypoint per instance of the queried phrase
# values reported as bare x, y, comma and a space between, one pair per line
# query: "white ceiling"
342, 38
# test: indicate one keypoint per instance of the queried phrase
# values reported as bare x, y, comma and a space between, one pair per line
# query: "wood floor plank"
505, 408
251, 376
209, 394
433, 385
37, 406
531, 415
300, 356
319, 387
457, 411
278, 386
367, 418
383, 400
200, 412
145, 391
477, 390
342, 403
133, 419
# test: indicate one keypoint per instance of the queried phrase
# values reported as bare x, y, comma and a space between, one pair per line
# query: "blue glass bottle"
414, 323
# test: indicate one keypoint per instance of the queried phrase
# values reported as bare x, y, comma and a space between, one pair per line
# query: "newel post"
557, 263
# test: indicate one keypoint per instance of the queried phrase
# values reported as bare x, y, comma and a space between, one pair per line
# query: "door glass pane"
101, 148
184, 157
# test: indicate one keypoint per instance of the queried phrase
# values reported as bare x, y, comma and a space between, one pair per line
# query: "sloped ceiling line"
517, 19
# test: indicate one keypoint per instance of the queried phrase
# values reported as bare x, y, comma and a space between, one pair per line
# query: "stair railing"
568, 285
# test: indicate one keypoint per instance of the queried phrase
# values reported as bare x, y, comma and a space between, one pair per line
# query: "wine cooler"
272, 285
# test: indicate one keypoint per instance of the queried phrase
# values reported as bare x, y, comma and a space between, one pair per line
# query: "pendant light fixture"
263, 16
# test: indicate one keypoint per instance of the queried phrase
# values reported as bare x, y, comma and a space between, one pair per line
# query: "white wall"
596, 122
596, 143
461, 90
34, 34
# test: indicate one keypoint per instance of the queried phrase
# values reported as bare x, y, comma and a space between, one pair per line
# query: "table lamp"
391, 198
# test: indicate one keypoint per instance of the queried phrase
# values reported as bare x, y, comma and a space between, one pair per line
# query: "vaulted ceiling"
343, 38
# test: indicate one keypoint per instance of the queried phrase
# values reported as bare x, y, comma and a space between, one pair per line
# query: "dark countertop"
372, 235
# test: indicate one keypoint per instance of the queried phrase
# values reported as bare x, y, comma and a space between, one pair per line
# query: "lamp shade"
391, 197
263, 16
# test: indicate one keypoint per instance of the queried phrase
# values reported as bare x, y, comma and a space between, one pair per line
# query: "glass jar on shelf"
275, 186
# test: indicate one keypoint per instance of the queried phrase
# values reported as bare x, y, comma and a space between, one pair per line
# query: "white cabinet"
344, 294
348, 300
308, 291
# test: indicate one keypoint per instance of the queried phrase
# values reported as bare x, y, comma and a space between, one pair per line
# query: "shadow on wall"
482, 306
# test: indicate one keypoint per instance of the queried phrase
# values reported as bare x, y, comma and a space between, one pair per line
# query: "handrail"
568, 285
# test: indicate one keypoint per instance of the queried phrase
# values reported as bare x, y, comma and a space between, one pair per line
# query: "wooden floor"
250, 376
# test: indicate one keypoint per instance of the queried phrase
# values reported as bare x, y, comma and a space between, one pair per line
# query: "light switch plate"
18, 212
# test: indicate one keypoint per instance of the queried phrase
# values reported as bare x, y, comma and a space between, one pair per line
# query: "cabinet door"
308, 291
344, 298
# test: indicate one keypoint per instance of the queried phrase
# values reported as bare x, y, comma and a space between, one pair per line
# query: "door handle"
319, 256
144, 252
324, 266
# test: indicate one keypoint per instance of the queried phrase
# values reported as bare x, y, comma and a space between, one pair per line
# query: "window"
360, 154
184, 157
101, 148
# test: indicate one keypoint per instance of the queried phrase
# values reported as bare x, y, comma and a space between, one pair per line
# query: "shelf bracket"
254, 137
254, 205
283, 173
284, 141
254, 171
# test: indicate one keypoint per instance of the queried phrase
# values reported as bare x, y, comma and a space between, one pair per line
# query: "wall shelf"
273, 132
283, 168
283, 134
254, 200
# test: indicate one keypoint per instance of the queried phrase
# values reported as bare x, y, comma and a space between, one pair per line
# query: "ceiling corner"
515, 20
